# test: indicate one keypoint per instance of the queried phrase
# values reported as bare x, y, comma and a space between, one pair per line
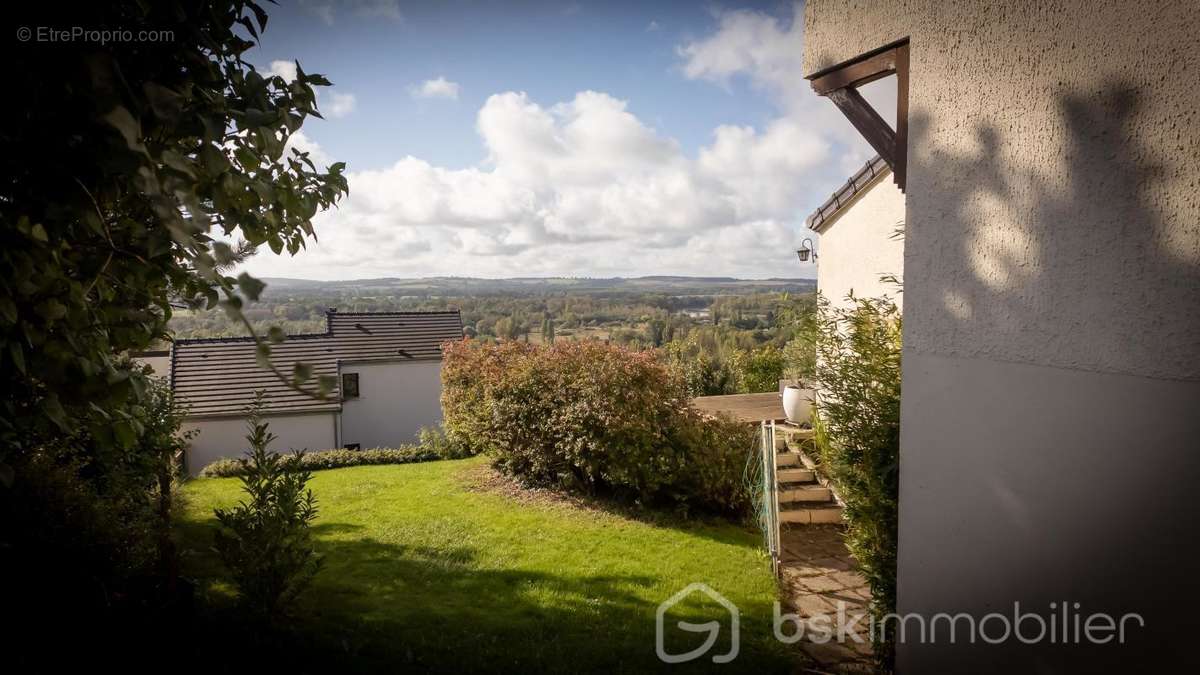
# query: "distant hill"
438, 286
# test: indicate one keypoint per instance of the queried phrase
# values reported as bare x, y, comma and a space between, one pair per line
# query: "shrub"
331, 459
758, 370
589, 416
703, 374
265, 540
442, 444
858, 437
95, 525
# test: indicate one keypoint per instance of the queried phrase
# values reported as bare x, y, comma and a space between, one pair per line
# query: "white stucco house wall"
159, 361
387, 366
861, 242
1049, 436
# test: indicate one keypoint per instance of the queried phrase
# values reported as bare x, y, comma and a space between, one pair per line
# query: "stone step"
794, 433
798, 492
811, 514
796, 474
783, 459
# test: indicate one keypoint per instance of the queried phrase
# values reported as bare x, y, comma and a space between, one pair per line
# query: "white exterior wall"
859, 246
395, 400
226, 436
1049, 435
161, 365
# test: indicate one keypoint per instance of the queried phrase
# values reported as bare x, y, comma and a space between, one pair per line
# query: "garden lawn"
423, 572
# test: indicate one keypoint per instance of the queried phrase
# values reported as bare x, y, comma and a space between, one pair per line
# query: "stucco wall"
226, 437
1052, 316
395, 401
858, 247
1053, 164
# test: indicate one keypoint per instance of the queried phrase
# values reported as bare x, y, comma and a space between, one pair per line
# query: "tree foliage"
593, 417
265, 540
759, 370
858, 436
136, 173
131, 168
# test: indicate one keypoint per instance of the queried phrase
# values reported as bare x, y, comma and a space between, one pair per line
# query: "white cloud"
652, 26
586, 187
768, 52
750, 43
579, 187
303, 143
339, 104
436, 88
327, 10
284, 69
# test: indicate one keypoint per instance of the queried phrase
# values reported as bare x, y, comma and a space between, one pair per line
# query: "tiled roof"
844, 195
218, 376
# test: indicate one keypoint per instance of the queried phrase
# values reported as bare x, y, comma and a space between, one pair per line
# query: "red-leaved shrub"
591, 416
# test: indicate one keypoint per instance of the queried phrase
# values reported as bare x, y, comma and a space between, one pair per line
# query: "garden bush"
445, 446
265, 540
858, 437
590, 416
332, 459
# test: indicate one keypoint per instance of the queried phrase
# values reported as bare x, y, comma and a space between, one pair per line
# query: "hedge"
334, 459
589, 416
858, 439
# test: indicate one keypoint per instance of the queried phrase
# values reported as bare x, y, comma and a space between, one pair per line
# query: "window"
349, 385
352, 446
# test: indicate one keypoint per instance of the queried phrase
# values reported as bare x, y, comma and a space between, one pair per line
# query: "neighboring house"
388, 371
861, 227
1050, 441
159, 361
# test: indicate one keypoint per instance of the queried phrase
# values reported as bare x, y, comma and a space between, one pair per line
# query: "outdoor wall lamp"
806, 250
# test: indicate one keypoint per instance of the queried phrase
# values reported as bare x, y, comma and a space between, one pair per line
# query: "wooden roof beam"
841, 82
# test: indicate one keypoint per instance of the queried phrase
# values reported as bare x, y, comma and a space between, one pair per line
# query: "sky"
583, 139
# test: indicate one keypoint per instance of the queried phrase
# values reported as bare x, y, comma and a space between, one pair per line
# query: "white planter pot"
797, 404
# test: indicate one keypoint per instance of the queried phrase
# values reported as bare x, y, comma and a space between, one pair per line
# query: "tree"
758, 370
129, 167
161, 445
507, 328
701, 372
858, 438
265, 540
656, 332
136, 173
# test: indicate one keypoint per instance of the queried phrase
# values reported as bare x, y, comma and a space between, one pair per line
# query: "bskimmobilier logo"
713, 628
1065, 623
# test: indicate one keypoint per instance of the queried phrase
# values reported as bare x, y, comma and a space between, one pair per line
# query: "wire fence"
762, 485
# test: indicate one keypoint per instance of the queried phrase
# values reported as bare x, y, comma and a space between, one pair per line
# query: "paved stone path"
819, 579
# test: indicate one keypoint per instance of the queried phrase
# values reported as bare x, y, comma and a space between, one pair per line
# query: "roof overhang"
840, 84
845, 196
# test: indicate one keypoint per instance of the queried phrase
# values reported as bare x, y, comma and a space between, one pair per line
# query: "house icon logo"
713, 628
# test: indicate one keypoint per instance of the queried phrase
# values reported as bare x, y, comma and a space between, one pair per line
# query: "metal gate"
770, 494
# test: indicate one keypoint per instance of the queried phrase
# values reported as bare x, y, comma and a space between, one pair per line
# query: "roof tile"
219, 376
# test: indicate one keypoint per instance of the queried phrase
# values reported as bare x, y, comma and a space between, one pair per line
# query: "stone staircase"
805, 498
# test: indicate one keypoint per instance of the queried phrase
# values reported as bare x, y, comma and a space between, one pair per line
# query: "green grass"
423, 573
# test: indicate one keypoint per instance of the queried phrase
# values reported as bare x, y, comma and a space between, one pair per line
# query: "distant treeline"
735, 340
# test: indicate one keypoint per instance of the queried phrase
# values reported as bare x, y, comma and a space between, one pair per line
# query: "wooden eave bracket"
841, 82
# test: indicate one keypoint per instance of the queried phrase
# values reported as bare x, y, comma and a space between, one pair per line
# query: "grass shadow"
381, 606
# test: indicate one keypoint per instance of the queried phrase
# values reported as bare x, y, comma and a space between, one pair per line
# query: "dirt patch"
486, 479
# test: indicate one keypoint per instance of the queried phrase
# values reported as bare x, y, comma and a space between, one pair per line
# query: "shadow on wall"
1061, 463
1070, 263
